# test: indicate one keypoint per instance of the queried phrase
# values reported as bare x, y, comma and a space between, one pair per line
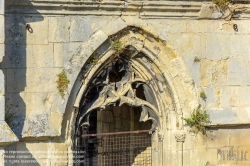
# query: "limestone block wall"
42, 119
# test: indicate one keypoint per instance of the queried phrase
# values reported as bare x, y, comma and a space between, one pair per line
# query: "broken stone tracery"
116, 84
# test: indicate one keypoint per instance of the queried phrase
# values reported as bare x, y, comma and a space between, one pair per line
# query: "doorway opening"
117, 116
117, 138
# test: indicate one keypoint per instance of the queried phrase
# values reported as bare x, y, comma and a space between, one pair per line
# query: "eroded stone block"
2, 30
6, 134
240, 48
223, 116
59, 29
83, 27
42, 56
114, 26
213, 72
217, 46
244, 99
16, 32
239, 71
2, 108
38, 80
63, 52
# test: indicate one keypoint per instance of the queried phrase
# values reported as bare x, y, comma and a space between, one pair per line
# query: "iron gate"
117, 149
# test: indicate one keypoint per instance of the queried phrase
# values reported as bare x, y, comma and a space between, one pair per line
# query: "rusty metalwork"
121, 149
118, 133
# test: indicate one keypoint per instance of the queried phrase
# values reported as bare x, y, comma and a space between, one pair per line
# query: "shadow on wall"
18, 57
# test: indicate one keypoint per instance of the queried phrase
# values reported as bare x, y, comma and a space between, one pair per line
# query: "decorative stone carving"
161, 135
180, 136
115, 84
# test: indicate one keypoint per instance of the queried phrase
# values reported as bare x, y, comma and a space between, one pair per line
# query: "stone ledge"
145, 9
6, 134
228, 117
196, 9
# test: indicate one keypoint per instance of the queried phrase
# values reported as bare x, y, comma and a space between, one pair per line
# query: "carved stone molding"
180, 136
160, 135
143, 9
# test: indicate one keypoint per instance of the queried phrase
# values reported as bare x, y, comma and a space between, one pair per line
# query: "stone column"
180, 138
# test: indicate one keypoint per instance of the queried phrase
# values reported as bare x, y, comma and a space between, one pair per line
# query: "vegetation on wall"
222, 3
62, 83
203, 95
116, 45
198, 119
93, 59
196, 59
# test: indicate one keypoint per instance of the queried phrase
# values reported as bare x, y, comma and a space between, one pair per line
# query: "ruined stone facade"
173, 49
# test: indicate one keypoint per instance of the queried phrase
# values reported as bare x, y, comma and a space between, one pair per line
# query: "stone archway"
158, 66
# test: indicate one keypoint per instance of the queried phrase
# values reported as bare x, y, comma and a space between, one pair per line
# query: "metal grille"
117, 149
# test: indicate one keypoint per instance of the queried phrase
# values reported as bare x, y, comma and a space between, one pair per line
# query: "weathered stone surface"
42, 56
2, 30
83, 27
85, 50
38, 125
213, 72
239, 71
2, 108
212, 11
39, 33
2, 51
59, 29
6, 134
2, 85
1, 156
56, 121
40, 80
229, 96
243, 96
218, 138
223, 116
16, 32
63, 52
62, 42
165, 27
240, 48
217, 46
203, 26
1, 6
22, 56
210, 96
114, 26
17, 56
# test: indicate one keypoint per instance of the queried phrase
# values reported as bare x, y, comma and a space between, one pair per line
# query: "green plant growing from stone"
222, 3
203, 95
62, 83
198, 120
116, 45
93, 59
196, 59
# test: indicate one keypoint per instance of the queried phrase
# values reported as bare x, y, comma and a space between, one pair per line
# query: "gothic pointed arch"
135, 58
112, 65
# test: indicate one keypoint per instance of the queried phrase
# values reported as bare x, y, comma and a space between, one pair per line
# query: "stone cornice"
155, 9
143, 9
148, 9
